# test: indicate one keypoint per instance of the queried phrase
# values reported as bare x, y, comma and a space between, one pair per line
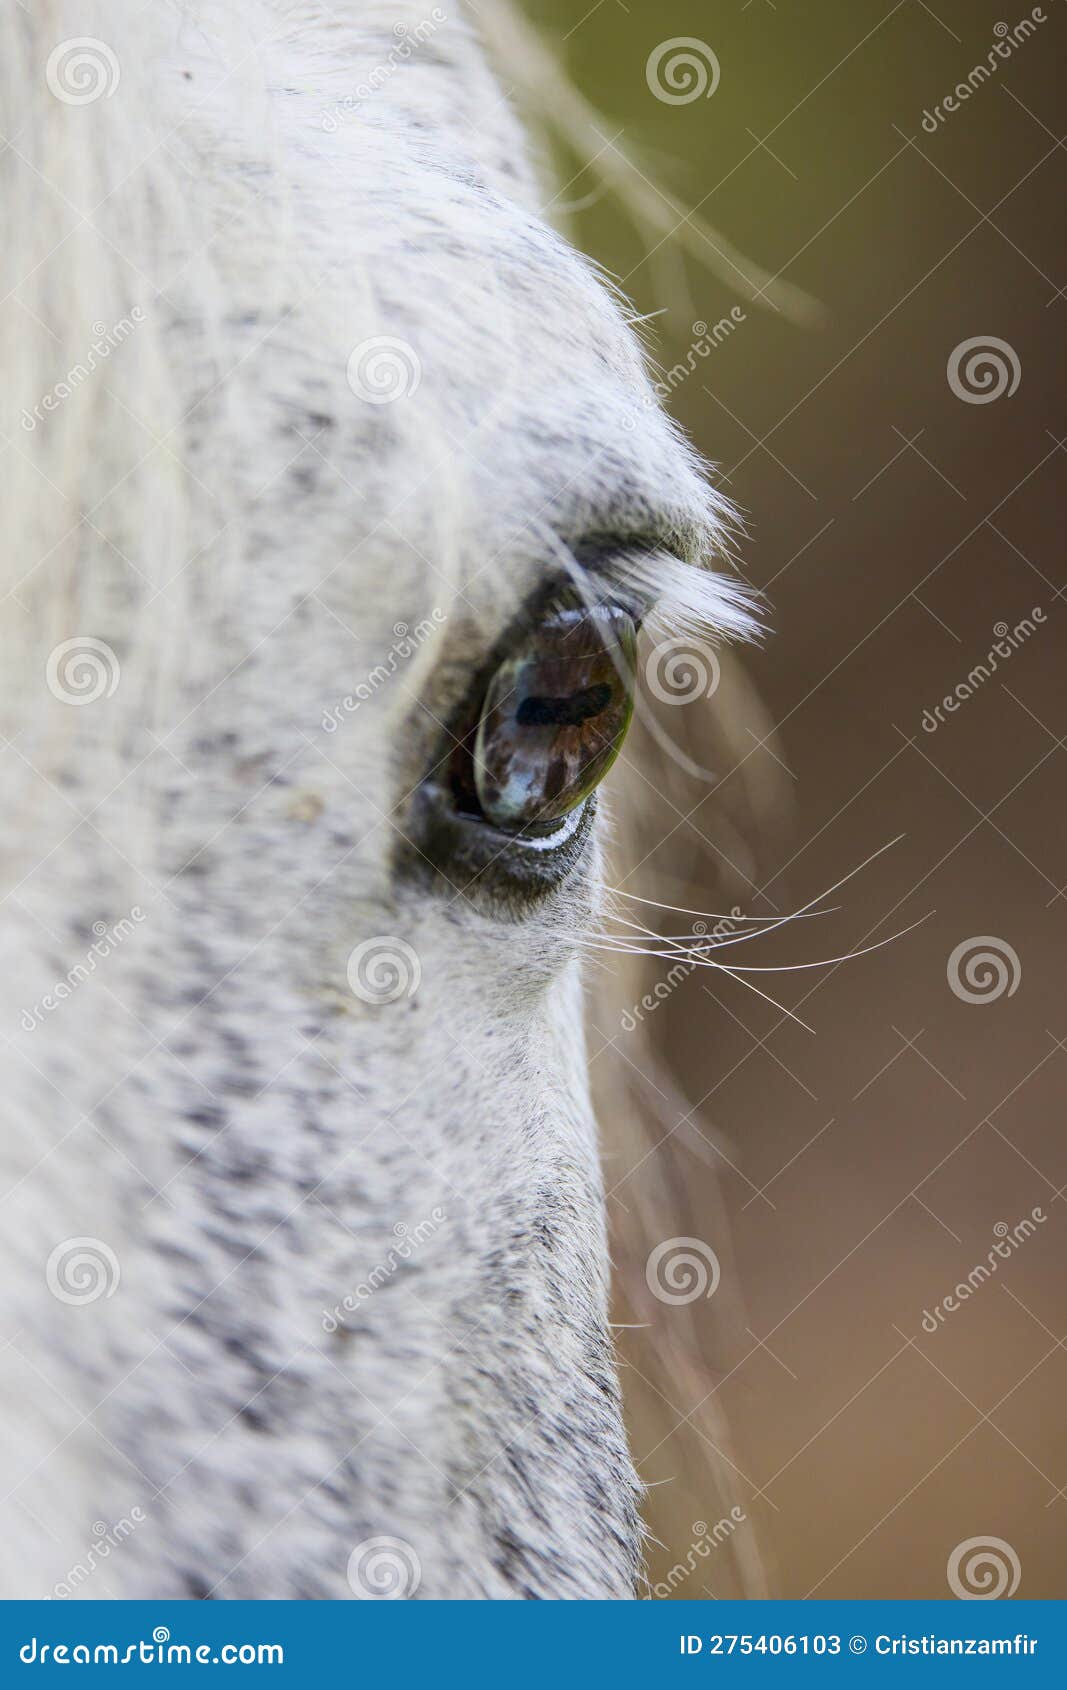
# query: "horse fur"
247, 534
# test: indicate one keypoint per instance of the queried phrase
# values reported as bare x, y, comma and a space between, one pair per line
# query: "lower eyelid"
552, 841
496, 871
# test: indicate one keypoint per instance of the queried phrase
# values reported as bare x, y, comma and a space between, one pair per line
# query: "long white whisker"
713, 941
706, 962
695, 953
677, 909
780, 1007
829, 961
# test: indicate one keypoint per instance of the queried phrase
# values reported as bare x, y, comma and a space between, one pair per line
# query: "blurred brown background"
893, 525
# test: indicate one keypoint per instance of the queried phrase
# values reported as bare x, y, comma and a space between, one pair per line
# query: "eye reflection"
555, 716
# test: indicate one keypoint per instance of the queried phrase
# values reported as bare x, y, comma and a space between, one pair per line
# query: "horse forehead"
434, 392
439, 297
447, 363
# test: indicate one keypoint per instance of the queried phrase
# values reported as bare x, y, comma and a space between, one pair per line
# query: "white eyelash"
691, 600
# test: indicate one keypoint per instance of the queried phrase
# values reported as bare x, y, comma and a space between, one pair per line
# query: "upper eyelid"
651, 578
596, 571
691, 598
581, 587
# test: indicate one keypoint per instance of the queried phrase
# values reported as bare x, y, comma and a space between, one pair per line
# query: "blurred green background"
864, 1167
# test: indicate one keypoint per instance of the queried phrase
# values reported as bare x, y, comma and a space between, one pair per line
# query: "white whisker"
829, 962
694, 949
715, 941
678, 909
780, 1007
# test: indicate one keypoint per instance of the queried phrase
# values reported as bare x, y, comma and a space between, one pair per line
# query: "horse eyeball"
555, 716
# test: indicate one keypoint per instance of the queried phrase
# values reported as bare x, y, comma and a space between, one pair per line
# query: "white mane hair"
191, 261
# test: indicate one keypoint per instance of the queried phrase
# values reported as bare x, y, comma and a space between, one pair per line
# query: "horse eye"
555, 716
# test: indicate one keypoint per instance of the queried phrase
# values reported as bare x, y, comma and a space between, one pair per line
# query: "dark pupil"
554, 717
563, 712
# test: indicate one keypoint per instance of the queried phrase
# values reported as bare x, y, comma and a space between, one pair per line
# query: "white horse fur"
268, 186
